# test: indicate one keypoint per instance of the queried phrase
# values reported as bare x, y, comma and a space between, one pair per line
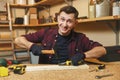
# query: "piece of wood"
55, 67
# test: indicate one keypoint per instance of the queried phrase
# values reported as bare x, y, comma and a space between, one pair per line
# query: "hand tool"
91, 60
69, 62
100, 67
18, 69
99, 77
3, 71
48, 51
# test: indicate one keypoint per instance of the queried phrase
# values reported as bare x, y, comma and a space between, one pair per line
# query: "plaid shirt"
47, 37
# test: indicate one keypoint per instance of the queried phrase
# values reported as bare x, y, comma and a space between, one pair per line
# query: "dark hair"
68, 10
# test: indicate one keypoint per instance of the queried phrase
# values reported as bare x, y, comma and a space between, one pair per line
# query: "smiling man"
68, 44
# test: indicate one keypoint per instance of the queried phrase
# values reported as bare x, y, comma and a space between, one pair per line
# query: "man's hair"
69, 9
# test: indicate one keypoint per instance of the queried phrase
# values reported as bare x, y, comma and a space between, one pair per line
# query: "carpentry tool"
3, 62
3, 71
18, 69
100, 67
99, 77
91, 60
48, 51
69, 62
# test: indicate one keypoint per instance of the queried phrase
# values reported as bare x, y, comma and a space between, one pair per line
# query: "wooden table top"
70, 74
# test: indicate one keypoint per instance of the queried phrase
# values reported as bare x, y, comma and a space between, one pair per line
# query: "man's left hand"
77, 58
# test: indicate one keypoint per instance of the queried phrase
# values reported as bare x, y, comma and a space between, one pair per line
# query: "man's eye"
70, 21
62, 19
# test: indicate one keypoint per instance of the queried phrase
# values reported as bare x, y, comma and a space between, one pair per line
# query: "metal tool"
69, 62
100, 67
99, 77
18, 69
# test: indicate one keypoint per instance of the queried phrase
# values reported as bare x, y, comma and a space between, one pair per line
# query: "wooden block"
33, 11
33, 16
33, 21
5, 35
55, 67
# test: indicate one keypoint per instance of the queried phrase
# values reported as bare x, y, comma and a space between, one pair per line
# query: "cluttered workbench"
87, 71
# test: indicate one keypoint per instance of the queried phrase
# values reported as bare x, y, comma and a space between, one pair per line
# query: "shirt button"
55, 40
76, 49
56, 35
50, 57
44, 44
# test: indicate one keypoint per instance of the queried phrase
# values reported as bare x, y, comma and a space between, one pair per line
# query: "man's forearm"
95, 52
22, 42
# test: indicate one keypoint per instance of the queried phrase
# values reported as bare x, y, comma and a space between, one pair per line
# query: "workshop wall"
99, 31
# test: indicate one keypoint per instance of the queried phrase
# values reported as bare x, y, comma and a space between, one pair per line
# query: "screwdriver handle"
48, 52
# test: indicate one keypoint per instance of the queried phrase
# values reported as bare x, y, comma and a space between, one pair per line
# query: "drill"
18, 69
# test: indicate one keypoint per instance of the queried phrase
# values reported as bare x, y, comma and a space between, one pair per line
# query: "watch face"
3, 5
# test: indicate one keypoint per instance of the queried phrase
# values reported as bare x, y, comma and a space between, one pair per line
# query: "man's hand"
77, 58
36, 49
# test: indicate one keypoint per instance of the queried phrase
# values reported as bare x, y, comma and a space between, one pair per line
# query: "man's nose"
65, 23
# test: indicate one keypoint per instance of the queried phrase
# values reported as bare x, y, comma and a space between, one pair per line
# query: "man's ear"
76, 22
58, 17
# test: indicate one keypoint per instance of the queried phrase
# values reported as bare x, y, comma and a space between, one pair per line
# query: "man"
68, 44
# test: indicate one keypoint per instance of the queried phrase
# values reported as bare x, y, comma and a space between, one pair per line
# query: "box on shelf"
33, 21
30, 2
11, 1
2, 17
5, 35
21, 2
33, 16
33, 11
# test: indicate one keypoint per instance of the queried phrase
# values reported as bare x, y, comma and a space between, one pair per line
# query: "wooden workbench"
73, 74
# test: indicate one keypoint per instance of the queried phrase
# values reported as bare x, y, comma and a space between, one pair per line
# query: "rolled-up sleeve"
89, 44
35, 37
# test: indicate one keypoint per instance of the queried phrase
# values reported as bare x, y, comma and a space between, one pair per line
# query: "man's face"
66, 22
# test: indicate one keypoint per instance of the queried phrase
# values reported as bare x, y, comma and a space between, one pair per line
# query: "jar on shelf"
91, 9
22, 2
116, 8
31, 2
102, 8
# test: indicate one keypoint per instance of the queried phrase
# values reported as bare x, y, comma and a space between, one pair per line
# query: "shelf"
31, 25
107, 18
5, 40
43, 2
6, 49
49, 2
5, 53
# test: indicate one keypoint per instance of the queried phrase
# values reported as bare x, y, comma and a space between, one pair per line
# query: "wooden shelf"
42, 3
107, 18
49, 2
6, 49
31, 25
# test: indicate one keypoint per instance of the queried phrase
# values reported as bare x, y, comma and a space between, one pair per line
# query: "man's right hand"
36, 49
